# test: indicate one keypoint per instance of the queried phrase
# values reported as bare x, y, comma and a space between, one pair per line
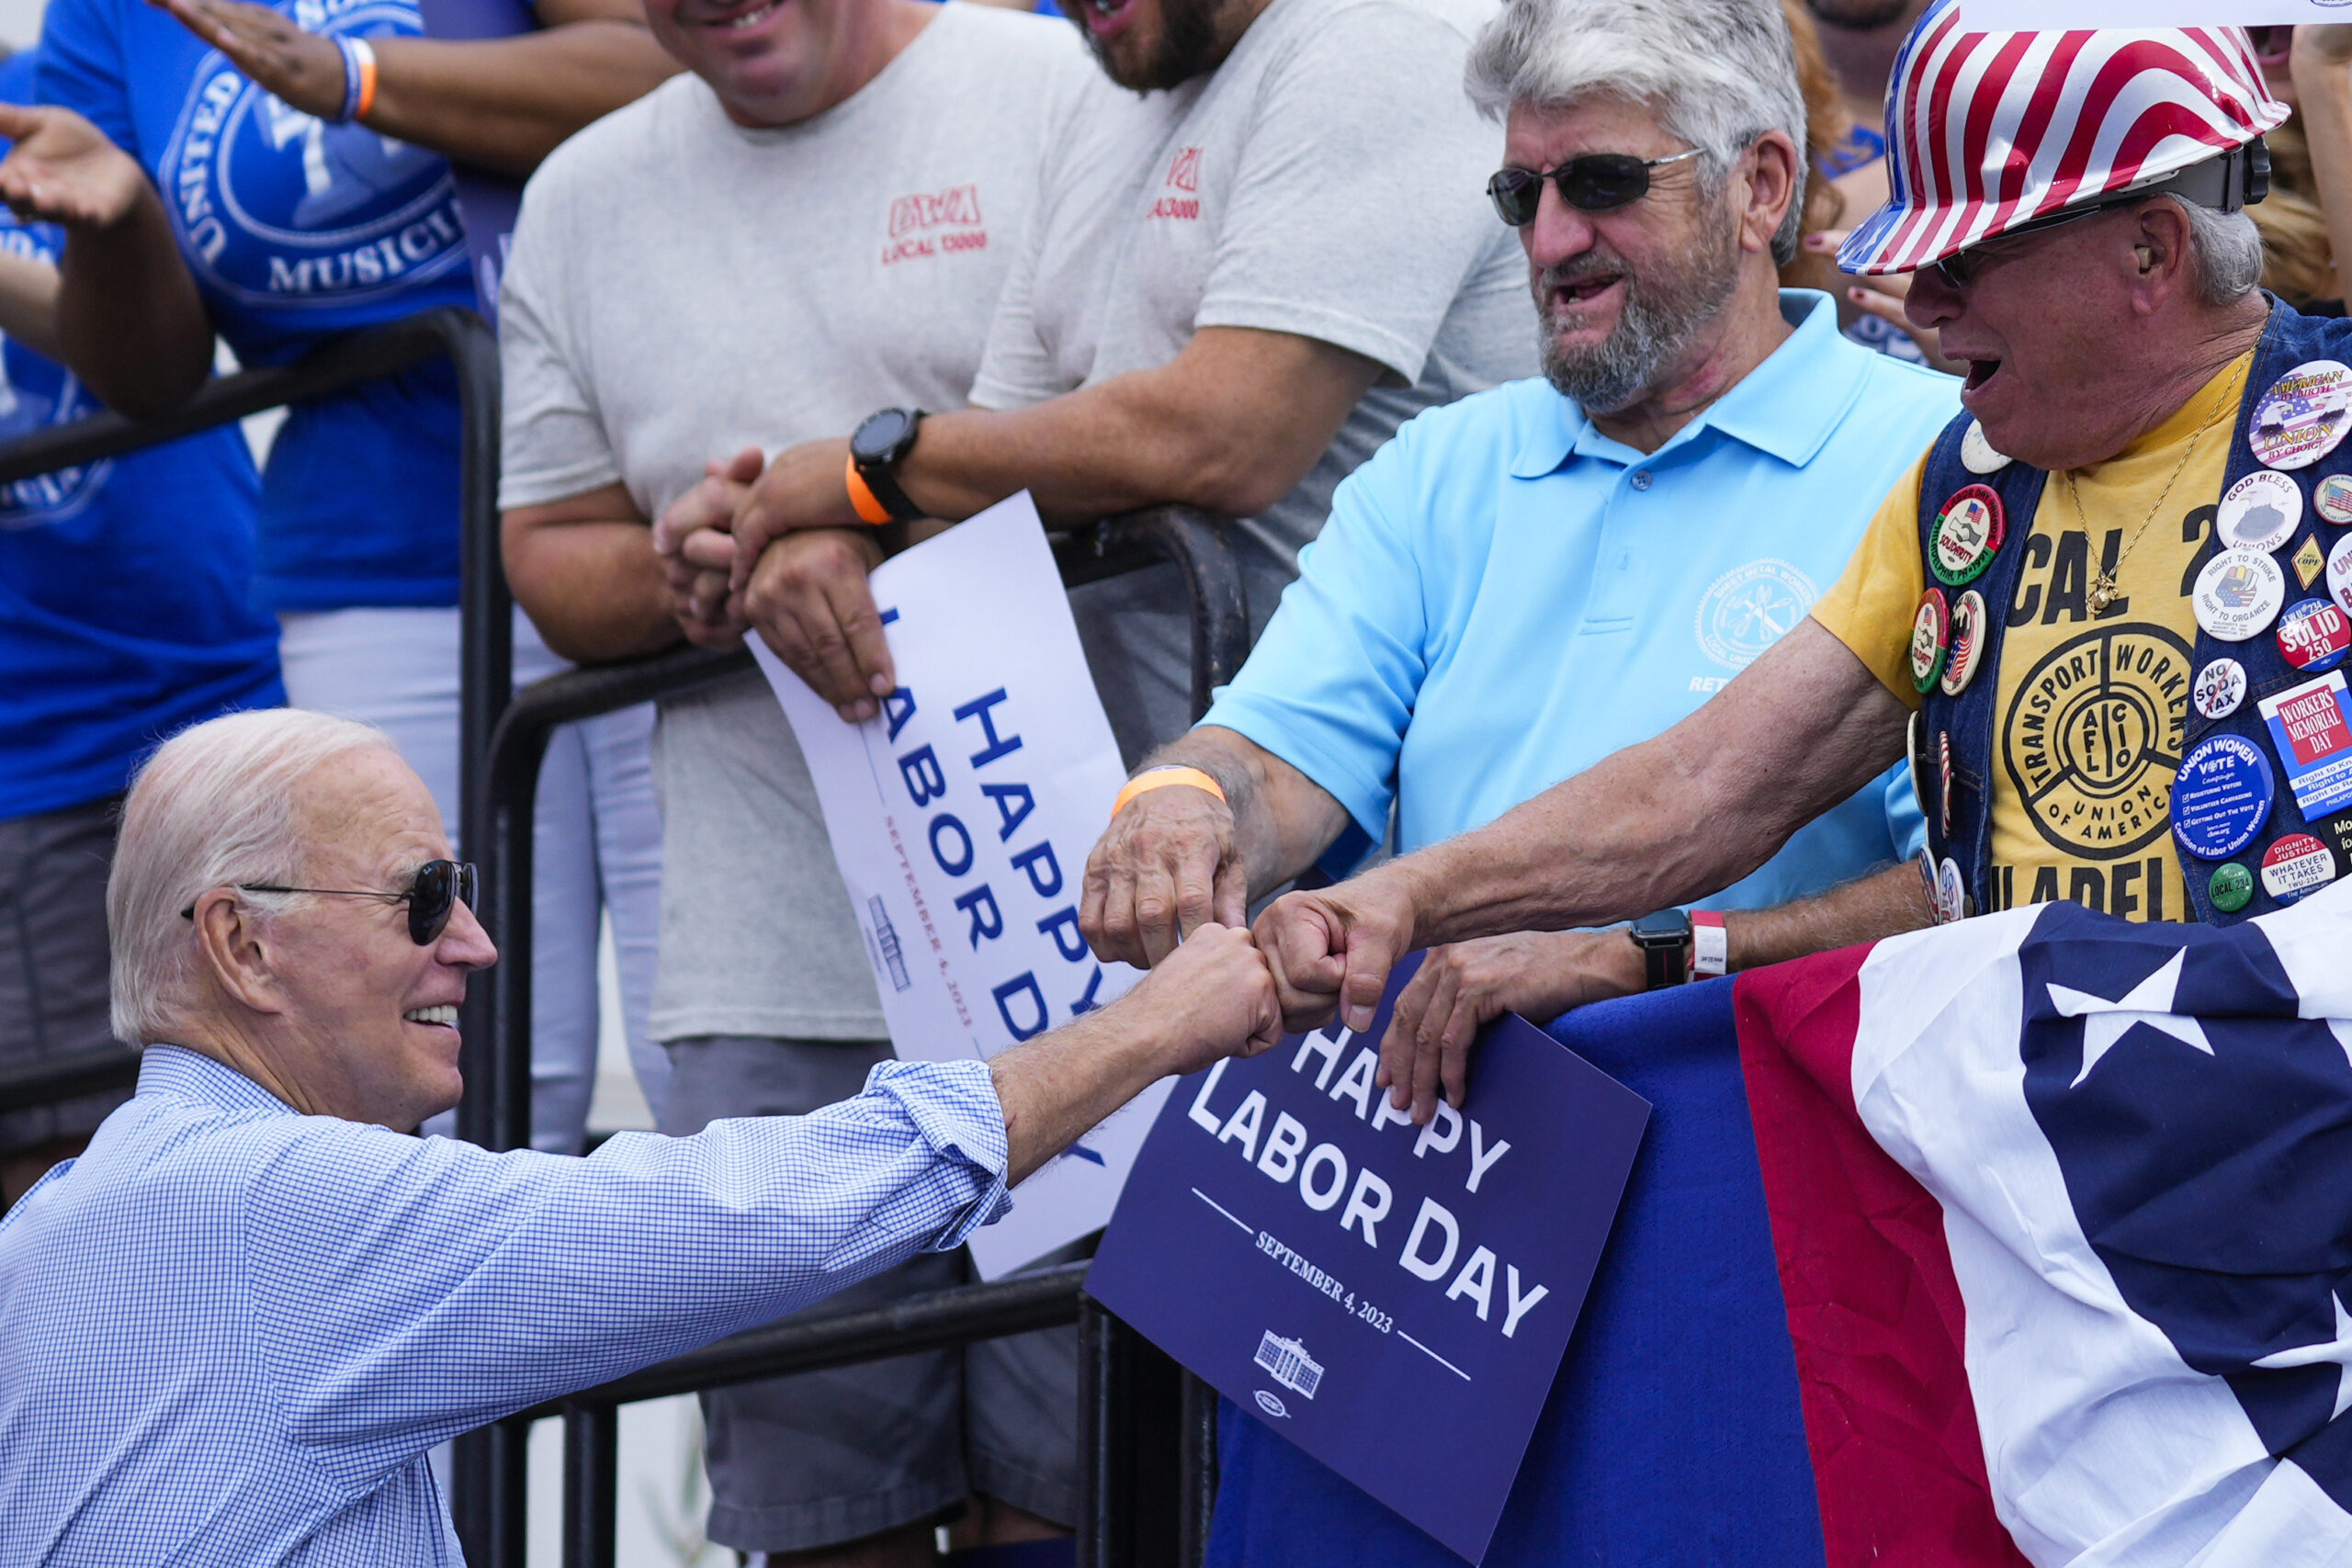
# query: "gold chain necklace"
2102, 590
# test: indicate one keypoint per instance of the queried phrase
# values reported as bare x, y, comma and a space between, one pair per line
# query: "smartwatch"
1664, 940
877, 449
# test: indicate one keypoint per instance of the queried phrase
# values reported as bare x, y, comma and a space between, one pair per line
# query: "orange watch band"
862, 499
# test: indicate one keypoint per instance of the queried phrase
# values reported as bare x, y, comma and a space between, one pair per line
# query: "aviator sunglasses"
436, 892
1592, 182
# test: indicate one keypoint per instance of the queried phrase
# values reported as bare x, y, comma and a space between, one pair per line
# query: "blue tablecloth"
1673, 1434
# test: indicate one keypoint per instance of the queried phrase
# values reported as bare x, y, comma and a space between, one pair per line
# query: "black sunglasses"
439, 886
1593, 182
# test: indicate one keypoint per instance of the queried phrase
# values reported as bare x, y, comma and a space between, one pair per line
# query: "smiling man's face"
375, 1014
1153, 45
1619, 295
771, 61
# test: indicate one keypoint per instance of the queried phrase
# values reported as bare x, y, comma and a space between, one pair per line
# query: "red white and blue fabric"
2062, 1207
1987, 131
2055, 1271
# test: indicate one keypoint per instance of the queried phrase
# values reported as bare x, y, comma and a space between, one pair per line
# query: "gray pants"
53, 959
823, 1457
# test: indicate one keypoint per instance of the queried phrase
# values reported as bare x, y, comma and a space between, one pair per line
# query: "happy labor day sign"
961, 818
1393, 1299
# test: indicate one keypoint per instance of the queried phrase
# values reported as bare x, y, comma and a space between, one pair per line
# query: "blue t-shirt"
1504, 595
124, 612
297, 231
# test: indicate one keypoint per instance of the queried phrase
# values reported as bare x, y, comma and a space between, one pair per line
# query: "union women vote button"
2301, 417
2238, 593
2259, 511
2294, 864
1969, 530
2221, 797
2315, 635
1930, 634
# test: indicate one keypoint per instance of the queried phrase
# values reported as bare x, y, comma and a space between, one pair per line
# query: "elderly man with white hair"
230, 1331
1528, 579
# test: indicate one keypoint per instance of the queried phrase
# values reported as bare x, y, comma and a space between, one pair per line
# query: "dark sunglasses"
1594, 182
439, 887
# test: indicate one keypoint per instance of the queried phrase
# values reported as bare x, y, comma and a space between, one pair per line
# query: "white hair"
214, 806
2228, 252
1720, 73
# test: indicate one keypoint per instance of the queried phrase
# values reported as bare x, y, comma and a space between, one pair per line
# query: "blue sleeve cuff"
954, 1108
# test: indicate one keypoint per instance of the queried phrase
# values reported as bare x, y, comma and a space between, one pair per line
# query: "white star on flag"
2149, 1002
2338, 1351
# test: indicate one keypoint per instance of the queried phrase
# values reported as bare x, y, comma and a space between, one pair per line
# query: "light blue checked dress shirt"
230, 1332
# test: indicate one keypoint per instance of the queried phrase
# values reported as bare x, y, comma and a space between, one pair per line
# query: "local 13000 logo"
277, 207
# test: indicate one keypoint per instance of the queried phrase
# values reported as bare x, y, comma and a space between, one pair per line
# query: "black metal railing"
1147, 1428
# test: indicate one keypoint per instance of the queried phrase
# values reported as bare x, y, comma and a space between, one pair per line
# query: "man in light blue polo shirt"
1535, 577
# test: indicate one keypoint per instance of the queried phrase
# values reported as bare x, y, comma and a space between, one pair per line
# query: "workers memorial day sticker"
1393, 1299
2311, 726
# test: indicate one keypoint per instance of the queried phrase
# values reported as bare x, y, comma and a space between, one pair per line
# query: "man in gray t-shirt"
816, 221
1241, 282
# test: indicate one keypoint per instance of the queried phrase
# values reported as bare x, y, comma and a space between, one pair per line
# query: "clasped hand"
774, 547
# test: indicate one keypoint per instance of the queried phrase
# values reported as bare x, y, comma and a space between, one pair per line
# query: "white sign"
961, 818
2057, 15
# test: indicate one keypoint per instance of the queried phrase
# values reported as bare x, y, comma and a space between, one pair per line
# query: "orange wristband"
366, 78
862, 500
1160, 778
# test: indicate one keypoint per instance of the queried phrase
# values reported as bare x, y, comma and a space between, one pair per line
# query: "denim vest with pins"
1960, 816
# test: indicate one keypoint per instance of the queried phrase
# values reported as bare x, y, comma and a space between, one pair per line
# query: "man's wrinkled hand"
1463, 986
1165, 867
1331, 950
1213, 998
63, 169
695, 528
804, 488
810, 601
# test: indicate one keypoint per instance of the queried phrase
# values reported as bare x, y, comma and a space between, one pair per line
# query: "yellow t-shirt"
2089, 712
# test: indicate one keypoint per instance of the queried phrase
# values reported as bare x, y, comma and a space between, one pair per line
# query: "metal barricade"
1147, 1428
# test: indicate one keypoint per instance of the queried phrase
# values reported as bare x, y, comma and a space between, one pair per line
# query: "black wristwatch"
1664, 940
879, 446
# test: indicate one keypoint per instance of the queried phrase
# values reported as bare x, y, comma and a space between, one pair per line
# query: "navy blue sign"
1393, 1299
489, 201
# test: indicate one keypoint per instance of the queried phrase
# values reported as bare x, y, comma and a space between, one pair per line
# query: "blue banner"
1394, 1299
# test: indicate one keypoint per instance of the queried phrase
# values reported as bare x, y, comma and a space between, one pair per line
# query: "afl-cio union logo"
2093, 736
275, 207
1749, 608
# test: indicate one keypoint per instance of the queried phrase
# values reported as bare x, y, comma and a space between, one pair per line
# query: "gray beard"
1660, 317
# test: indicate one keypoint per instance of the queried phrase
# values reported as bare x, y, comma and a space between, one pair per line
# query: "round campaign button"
1951, 898
1976, 454
2315, 634
1967, 642
2259, 511
1969, 530
2232, 888
2220, 688
2301, 418
2296, 864
2339, 572
2332, 497
1930, 636
2238, 593
2221, 797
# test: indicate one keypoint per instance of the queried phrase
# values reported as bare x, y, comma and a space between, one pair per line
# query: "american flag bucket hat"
1987, 133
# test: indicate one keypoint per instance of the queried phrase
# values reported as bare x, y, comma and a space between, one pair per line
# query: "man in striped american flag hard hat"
2106, 607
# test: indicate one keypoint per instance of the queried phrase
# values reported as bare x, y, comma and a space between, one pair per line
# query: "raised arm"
1671, 820
1177, 857
128, 320
503, 102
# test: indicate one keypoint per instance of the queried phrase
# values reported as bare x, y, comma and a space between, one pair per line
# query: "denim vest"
1964, 727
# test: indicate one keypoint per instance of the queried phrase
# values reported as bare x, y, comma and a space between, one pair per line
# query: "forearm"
128, 320
593, 589
507, 103
1879, 903
29, 303
1055, 1087
1282, 819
